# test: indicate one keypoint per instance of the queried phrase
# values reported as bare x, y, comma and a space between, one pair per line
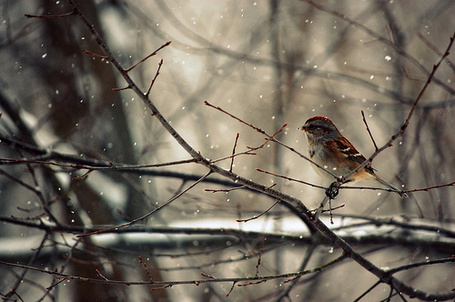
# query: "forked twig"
147, 57
268, 139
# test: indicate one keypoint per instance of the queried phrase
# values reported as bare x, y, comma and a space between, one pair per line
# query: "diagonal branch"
405, 125
299, 208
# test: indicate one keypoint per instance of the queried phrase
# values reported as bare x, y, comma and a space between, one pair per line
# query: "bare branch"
405, 125
369, 132
154, 78
233, 152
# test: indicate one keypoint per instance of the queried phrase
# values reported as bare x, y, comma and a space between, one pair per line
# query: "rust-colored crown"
319, 118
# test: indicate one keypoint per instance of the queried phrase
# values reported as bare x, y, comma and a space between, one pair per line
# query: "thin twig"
367, 291
154, 78
121, 89
148, 214
420, 264
291, 179
369, 132
268, 139
91, 165
435, 49
257, 216
224, 190
147, 57
95, 54
231, 289
144, 266
260, 255
233, 152
237, 118
72, 13
101, 275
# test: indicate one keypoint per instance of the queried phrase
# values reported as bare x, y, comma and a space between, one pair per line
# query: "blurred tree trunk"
83, 98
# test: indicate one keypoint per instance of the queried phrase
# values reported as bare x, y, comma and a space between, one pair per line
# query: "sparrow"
328, 148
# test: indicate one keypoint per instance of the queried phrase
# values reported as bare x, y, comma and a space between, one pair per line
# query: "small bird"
330, 149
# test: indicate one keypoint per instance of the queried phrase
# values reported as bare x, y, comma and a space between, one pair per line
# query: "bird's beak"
303, 128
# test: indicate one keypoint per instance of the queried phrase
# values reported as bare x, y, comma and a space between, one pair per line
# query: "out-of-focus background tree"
269, 63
